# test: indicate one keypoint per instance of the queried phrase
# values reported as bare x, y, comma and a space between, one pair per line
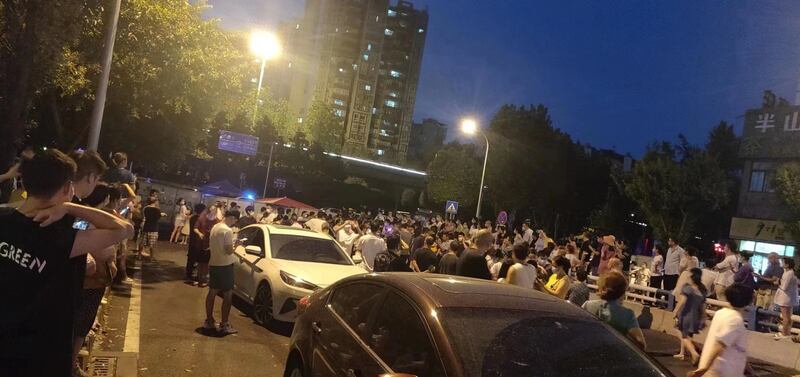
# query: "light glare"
265, 45
469, 126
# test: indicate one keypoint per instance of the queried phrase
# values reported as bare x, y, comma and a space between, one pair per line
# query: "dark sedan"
412, 324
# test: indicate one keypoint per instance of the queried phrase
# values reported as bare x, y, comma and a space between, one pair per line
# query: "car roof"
443, 291
290, 230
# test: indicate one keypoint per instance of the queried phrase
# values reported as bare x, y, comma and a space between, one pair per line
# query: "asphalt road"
171, 343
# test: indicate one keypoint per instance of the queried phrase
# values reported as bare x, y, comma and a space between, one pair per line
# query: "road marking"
134, 313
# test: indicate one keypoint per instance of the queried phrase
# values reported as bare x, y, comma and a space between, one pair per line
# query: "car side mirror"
253, 250
357, 260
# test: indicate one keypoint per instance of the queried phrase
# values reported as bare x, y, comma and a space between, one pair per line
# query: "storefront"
761, 237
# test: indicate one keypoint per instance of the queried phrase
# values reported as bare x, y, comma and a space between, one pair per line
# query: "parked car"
278, 265
411, 324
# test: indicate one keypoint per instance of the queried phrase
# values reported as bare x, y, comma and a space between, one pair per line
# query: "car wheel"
294, 370
262, 305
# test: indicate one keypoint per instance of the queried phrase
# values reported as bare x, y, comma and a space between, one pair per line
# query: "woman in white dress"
786, 297
521, 273
181, 215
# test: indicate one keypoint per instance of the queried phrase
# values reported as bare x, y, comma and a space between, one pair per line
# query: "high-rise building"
426, 139
362, 57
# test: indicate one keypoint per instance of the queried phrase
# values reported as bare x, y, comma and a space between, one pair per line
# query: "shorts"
221, 277
150, 238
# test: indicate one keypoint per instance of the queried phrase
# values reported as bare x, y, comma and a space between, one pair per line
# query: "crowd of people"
63, 241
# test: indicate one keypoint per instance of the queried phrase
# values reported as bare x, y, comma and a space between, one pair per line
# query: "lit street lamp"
265, 46
470, 127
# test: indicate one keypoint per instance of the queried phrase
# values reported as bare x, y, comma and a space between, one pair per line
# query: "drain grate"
103, 366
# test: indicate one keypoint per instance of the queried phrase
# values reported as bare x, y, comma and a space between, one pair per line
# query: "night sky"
615, 74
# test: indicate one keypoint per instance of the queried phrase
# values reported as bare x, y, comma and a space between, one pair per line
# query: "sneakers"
779, 336
127, 280
226, 329
209, 325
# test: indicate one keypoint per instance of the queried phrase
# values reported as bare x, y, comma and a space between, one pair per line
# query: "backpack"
382, 262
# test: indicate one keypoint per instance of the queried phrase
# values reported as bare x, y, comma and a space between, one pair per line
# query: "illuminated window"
377, 18
338, 102
391, 103
388, 32
761, 181
384, 133
391, 13
381, 152
374, 110
366, 57
339, 113
300, 120
297, 27
341, 69
421, 30
393, 94
369, 46
394, 73
367, 87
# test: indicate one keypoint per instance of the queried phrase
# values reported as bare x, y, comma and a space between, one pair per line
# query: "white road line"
134, 313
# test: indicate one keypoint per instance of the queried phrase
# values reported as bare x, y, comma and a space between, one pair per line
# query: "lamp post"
470, 127
265, 46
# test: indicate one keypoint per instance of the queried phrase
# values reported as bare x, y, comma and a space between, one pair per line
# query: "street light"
470, 127
265, 46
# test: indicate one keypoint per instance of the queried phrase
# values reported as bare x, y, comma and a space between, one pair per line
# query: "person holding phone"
36, 325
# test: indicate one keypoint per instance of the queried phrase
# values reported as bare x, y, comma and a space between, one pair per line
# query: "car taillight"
303, 304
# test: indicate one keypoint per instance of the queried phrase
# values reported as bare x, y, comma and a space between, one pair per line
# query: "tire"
293, 370
262, 305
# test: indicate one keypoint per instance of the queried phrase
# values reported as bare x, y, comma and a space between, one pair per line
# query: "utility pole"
96, 120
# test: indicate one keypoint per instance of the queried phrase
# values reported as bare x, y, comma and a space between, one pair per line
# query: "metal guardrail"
756, 318
642, 293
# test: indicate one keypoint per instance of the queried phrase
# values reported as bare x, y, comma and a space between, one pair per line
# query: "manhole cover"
103, 366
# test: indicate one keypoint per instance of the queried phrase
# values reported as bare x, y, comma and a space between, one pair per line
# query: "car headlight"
297, 282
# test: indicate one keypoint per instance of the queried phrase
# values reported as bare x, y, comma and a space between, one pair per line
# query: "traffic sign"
502, 218
451, 207
238, 143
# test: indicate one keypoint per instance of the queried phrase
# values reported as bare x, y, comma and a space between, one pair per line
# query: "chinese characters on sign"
238, 143
767, 120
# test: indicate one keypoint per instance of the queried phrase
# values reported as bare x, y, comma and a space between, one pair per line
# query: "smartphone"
80, 224
124, 211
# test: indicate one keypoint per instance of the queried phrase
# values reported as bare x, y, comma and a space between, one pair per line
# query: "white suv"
279, 265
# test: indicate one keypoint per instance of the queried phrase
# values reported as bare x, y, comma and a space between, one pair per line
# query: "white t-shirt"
315, 224
658, 266
527, 236
786, 295
524, 274
672, 263
221, 236
346, 240
726, 269
728, 328
371, 246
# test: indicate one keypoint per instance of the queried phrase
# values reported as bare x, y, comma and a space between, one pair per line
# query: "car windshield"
307, 249
502, 342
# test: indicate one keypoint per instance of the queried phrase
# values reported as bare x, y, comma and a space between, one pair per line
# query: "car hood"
320, 274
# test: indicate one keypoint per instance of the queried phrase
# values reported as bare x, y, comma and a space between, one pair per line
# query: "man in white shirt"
727, 268
346, 237
272, 214
221, 261
370, 246
315, 223
725, 350
672, 264
527, 233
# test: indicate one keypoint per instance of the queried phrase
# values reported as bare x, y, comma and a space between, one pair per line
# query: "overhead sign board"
759, 230
451, 207
771, 133
238, 143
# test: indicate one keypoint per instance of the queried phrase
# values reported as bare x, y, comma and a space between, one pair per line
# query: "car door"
400, 338
338, 343
244, 270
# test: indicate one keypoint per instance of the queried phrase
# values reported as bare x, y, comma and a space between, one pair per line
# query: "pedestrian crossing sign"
451, 207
